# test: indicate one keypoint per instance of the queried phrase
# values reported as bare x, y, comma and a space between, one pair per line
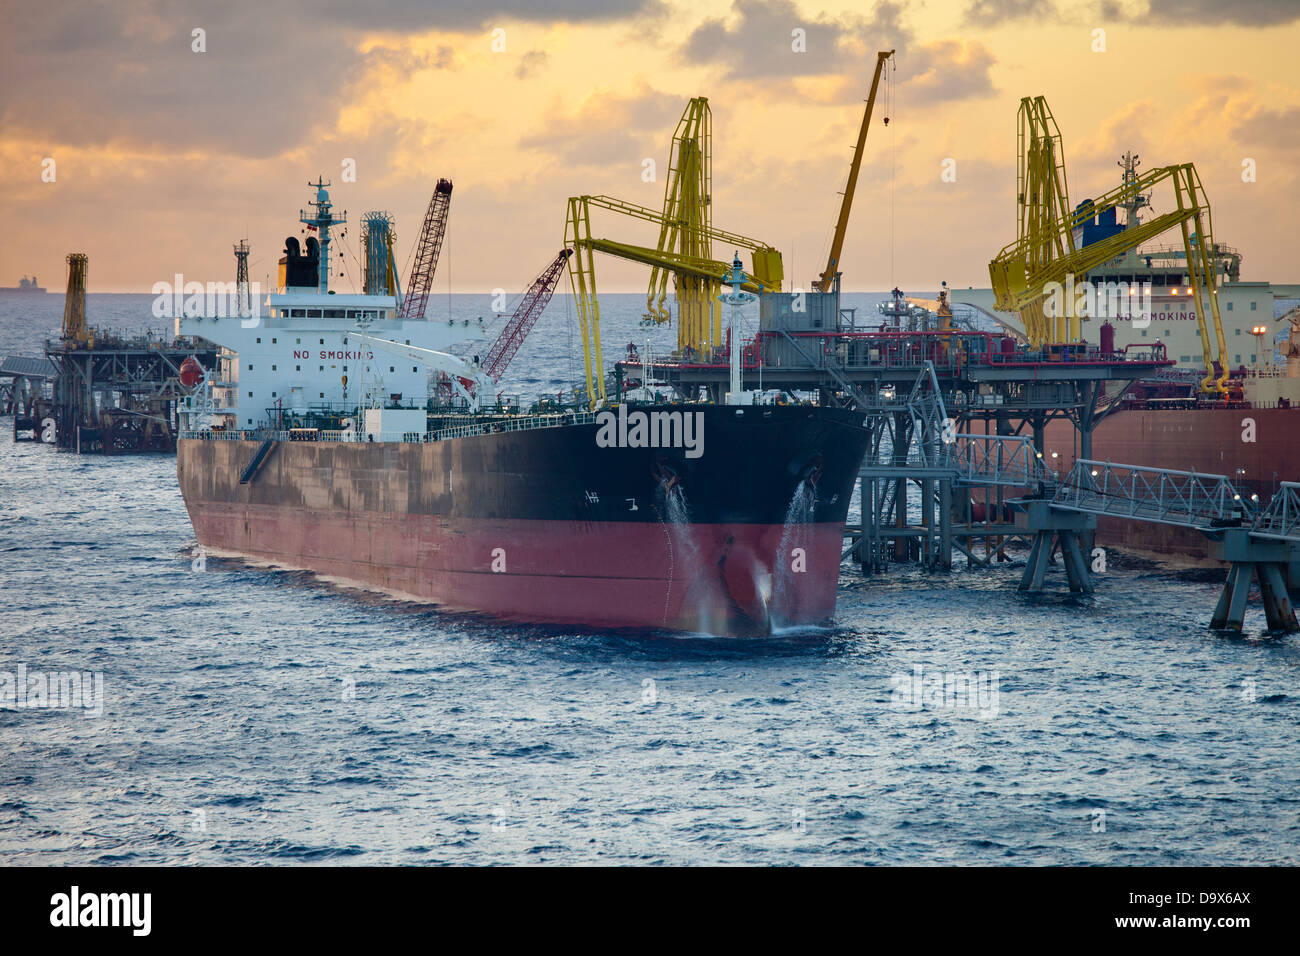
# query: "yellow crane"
684, 251
1042, 198
1023, 285
826, 282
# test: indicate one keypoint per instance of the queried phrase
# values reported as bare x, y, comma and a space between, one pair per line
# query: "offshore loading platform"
98, 390
958, 414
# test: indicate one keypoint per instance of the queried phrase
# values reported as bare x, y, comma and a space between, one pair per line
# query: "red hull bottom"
712, 578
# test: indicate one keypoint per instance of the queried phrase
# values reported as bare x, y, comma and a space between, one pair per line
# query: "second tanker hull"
549, 526
1254, 448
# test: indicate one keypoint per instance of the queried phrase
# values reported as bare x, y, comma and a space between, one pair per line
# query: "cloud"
755, 43
270, 76
1271, 129
1201, 13
948, 70
989, 13
609, 129
530, 64
757, 39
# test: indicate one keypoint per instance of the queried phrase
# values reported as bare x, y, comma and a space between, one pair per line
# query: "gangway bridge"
915, 442
1256, 543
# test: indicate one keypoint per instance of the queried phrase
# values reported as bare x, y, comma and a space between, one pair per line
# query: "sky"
154, 134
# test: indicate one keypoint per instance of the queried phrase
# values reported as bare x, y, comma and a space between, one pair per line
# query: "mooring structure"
112, 391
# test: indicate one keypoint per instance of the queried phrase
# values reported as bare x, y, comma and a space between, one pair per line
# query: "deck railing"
491, 426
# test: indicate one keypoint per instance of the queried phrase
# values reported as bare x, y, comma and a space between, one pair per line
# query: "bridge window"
298, 313
313, 313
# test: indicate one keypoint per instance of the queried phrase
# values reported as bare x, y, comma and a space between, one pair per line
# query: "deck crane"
697, 271
525, 316
683, 250
1022, 285
684, 230
461, 376
1042, 198
427, 248
826, 282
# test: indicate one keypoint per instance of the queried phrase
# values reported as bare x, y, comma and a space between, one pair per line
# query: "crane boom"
683, 251
525, 316
685, 229
427, 249
827, 280
1022, 285
1043, 195
692, 272
701, 271
454, 367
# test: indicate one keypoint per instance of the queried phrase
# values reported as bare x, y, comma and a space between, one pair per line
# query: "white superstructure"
299, 349
303, 351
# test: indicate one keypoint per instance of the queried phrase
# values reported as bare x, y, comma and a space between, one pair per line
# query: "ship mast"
1129, 162
735, 298
321, 221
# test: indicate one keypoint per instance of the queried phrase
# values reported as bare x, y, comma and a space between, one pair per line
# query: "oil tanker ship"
721, 518
25, 286
1162, 422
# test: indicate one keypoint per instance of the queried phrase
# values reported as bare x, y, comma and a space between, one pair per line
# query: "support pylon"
1052, 529
1253, 559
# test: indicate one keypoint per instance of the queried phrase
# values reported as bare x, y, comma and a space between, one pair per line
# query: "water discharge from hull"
792, 553
689, 572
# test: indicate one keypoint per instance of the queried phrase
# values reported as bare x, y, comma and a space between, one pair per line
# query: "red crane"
525, 316
420, 284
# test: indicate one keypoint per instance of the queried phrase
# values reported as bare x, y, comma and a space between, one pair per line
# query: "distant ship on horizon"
25, 285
